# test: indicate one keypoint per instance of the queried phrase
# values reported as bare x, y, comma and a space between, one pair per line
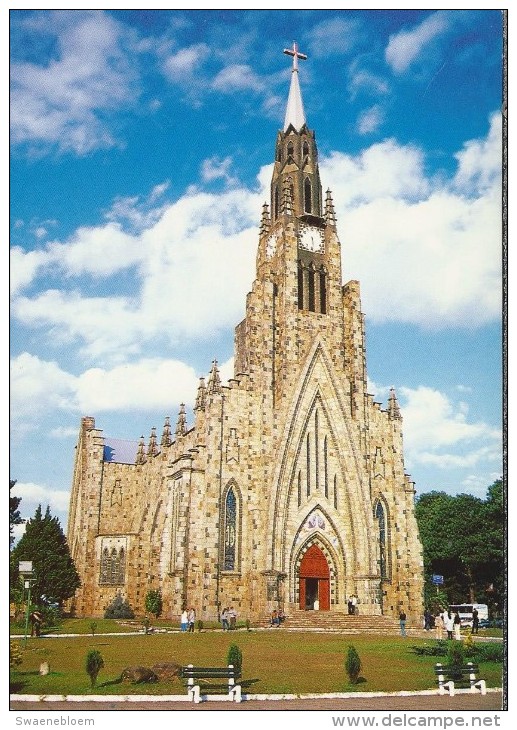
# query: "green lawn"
274, 661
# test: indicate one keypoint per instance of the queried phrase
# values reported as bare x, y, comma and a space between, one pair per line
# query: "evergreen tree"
14, 514
44, 543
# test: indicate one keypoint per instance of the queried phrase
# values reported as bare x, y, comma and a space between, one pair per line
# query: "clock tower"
298, 294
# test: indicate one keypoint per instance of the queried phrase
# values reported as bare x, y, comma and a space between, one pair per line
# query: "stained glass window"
230, 530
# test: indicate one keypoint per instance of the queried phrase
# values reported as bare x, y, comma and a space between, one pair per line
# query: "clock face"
312, 239
271, 245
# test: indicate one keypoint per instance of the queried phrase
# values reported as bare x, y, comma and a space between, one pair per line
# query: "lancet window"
230, 545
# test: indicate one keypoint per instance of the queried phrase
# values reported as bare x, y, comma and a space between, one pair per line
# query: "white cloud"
438, 432
362, 80
370, 120
37, 385
65, 102
63, 432
237, 77
144, 385
38, 494
182, 64
441, 239
216, 168
336, 35
407, 45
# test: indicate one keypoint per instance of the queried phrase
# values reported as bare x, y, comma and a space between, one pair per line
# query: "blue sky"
141, 151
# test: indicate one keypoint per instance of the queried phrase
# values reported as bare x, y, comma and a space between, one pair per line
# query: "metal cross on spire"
295, 53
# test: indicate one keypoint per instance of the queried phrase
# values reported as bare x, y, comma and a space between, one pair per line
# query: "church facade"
289, 490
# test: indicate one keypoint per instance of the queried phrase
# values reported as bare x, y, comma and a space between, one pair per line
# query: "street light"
25, 570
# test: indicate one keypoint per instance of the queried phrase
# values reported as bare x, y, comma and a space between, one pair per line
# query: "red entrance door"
314, 580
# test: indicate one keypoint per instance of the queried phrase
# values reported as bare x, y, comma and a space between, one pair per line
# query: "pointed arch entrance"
314, 577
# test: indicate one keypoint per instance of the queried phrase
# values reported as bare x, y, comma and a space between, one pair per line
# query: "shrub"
51, 616
93, 627
353, 665
468, 646
15, 654
119, 608
439, 648
199, 625
154, 602
94, 663
489, 652
235, 657
455, 657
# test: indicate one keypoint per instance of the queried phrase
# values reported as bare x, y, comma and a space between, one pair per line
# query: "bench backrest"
448, 670
191, 672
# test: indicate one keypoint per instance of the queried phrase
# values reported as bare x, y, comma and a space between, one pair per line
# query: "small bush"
94, 663
439, 648
119, 608
235, 657
455, 657
93, 627
15, 654
199, 625
353, 665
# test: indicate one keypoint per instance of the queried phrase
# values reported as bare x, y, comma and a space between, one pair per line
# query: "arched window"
381, 521
276, 203
312, 301
308, 465
305, 149
230, 531
113, 566
290, 149
300, 285
105, 561
325, 467
279, 154
307, 194
323, 291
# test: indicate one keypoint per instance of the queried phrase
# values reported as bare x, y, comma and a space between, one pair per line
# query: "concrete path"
411, 702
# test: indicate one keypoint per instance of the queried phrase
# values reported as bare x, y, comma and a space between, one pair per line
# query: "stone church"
288, 490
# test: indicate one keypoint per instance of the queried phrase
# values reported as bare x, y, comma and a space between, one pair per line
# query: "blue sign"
437, 580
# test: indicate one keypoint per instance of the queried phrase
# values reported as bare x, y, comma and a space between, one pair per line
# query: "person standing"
232, 613
191, 620
457, 626
449, 624
402, 621
439, 626
184, 620
225, 619
475, 621
427, 619
354, 604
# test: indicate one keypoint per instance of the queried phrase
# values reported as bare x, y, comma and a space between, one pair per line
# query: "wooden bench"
194, 674
446, 676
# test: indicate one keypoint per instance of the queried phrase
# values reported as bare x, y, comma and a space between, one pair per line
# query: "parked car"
491, 623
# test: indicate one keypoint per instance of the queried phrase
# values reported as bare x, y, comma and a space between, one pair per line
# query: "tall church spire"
294, 114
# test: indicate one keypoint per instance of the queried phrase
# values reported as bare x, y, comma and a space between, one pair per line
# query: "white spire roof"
294, 113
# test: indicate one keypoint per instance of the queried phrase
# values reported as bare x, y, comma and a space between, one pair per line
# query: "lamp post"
25, 569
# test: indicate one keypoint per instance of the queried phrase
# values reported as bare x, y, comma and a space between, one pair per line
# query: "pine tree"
44, 543
14, 514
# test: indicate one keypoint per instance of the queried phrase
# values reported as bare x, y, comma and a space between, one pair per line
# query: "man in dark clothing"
475, 621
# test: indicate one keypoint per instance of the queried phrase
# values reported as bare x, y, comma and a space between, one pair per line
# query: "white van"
465, 611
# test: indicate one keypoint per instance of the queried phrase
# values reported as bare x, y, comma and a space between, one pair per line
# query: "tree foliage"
15, 517
353, 665
462, 538
55, 576
93, 665
154, 602
119, 608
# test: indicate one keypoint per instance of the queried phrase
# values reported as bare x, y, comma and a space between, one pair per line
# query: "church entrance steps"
336, 621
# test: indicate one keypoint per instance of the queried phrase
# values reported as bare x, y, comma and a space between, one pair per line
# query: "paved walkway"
411, 702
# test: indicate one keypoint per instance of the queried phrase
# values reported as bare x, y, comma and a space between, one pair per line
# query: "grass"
273, 662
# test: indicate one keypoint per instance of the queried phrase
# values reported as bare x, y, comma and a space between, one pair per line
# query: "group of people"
444, 621
277, 618
352, 605
229, 618
188, 620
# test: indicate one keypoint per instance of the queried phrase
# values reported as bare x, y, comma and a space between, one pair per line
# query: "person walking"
402, 621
